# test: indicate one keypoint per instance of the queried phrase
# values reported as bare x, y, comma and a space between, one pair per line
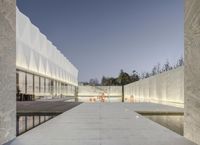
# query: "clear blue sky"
100, 37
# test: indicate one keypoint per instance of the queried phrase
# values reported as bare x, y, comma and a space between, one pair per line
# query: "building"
42, 70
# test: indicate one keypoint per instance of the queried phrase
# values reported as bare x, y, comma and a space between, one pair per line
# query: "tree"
94, 82
147, 75
180, 62
154, 71
167, 66
123, 78
103, 81
134, 77
109, 81
158, 68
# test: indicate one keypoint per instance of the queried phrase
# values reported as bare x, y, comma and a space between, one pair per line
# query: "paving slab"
102, 124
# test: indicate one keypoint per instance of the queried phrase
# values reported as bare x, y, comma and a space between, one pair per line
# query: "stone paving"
103, 124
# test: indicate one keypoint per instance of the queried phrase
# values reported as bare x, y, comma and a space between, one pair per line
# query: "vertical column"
7, 70
122, 93
76, 94
192, 70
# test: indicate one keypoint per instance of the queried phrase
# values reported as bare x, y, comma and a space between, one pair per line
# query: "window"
36, 87
22, 82
29, 83
41, 85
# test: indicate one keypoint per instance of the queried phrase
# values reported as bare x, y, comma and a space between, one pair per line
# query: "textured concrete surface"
101, 124
192, 70
166, 88
7, 70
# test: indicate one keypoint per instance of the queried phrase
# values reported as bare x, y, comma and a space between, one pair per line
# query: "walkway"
103, 124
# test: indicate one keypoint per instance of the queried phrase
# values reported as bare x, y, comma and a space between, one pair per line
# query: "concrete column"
122, 93
76, 94
7, 70
192, 70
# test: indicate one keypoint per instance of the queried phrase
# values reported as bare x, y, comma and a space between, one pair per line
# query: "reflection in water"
172, 122
27, 122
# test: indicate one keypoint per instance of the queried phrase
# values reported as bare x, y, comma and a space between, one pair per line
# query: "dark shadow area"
33, 113
173, 122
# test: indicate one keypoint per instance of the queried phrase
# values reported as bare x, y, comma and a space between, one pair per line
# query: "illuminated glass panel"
29, 83
41, 85
21, 82
52, 87
58, 88
48, 87
36, 81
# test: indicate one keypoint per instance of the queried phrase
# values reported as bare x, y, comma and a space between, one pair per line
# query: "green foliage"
157, 69
122, 79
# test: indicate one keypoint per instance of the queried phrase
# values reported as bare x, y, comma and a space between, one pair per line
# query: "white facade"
115, 91
165, 88
94, 94
36, 54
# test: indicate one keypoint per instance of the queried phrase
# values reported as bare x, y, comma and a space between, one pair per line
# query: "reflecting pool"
172, 122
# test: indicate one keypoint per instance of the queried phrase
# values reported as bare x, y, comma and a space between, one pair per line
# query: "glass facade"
36, 85
29, 78
27, 122
31, 87
42, 87
21, 79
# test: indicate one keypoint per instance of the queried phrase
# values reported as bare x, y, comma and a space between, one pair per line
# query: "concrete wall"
166, 88
192, 70
7, 70
97, 93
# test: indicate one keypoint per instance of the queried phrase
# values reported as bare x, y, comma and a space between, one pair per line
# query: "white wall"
37, 55
97, 93
94, 99
166, 88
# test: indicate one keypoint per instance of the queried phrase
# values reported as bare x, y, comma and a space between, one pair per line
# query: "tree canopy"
125, 78
122, 79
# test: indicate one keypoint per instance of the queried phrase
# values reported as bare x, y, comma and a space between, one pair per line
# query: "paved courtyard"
104, 124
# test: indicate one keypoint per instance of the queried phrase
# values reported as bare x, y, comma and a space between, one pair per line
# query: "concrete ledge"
103, 124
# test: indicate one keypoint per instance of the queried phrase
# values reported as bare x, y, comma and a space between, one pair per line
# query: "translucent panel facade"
42, 70
36, 54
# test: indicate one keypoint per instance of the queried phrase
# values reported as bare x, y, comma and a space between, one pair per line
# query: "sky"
100, 37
